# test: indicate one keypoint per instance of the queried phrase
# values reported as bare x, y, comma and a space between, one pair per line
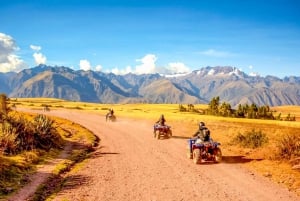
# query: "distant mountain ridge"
200, 86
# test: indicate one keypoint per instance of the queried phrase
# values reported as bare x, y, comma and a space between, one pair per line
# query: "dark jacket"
161, 120
203, 133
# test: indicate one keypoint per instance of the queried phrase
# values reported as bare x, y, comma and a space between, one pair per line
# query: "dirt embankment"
131, 165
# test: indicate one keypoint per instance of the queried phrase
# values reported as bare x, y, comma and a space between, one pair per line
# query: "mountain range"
200, 86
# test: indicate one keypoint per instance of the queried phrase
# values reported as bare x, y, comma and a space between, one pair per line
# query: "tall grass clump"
288, 146
8, 139
19, 134
45, 134
250, 139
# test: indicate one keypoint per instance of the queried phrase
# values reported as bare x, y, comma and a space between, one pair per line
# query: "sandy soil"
131, 165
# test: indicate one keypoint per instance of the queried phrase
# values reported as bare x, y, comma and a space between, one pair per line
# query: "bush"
251, 139
289, 146
8, 138
46, 136
19, 134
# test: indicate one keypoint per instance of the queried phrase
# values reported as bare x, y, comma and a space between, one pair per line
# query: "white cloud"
98, 68
215, 53
9, 61
35, 48
147, 66
39, 58
252, 73
85, 65
116, 71
177, 67
122, 71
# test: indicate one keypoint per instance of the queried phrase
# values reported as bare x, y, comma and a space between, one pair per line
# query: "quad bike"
162, 131
111, 117
201, 151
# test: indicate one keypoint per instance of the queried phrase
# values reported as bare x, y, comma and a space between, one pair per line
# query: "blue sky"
151, 36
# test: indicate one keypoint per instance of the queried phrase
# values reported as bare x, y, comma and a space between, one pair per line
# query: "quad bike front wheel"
157, 135
196, 156
188, 152
169, 134
113, 118
218, 155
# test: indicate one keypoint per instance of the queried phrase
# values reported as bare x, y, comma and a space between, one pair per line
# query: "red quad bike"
162, 131
201, 151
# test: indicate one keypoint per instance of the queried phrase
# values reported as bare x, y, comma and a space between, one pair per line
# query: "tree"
225, 109
190, 107
214, 105
240, 111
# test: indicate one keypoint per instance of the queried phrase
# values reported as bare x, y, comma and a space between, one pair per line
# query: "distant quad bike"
201, 151
111, 117
162, 131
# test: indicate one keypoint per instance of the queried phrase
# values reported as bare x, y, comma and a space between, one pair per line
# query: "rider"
111, 111
203, 132
161, 120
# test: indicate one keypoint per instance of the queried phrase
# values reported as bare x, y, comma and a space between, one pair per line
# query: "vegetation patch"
251, 139
282, 132
216, 108
26, 141
288, 146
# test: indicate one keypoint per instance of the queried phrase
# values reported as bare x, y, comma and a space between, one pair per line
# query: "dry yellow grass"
184, 124
12, 167
288, 109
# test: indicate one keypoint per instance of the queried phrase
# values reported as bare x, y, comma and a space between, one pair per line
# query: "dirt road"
131, 165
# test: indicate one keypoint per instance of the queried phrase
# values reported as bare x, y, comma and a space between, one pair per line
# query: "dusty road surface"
131, 165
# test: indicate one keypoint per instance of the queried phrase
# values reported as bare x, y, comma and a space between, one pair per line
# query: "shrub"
182, 108
46, 136
19, 134
251, 139
8, 138
288, 146
22, 128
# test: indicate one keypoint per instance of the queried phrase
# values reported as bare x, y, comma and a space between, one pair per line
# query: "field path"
131, 165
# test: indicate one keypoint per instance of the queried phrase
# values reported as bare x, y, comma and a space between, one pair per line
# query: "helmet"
201, 124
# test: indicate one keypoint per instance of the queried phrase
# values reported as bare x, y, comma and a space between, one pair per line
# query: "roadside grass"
263, 159
15, 170
82, 142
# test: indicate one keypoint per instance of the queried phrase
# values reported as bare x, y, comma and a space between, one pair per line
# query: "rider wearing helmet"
203, 132
161, 120
110, 113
